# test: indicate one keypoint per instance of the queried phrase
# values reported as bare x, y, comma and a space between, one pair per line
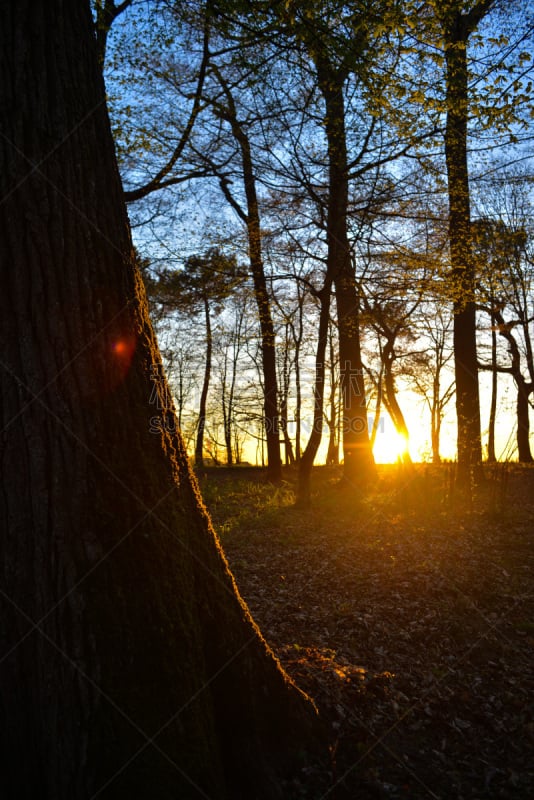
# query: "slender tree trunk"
284, 400
199, 447
435, 437
226, 412
268, 348
233, 450
392, 401
358, 461
435, 420
298, 408
181, 394
298, 388
228, 431
227, 423
308, 456
528, 386
527, 338
377, 409
524, 390
493, 402
464, 332
358, 464
129, 667
228, 443
332, 456
457, 28
523, 422
268, 339
288, 447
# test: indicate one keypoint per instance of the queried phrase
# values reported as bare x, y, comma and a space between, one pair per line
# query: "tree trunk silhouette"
524, 453
129, 665
308, 456
436, 414
268, 340
457, 28
358, 464
493, 402
199, 446
395, 411
523, 387
268, 343
332, 455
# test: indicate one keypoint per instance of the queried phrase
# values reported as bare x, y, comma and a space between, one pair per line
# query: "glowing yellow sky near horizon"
386, 450
389, 445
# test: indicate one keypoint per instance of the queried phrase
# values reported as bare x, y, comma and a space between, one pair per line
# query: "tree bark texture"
129, 665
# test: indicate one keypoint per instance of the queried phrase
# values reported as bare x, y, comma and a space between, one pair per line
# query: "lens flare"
122, 350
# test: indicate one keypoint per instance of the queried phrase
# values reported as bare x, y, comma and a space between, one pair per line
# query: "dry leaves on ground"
412, 628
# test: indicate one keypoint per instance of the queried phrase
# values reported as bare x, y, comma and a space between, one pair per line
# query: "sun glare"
390, 447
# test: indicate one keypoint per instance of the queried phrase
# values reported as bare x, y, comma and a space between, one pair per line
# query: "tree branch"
157, 181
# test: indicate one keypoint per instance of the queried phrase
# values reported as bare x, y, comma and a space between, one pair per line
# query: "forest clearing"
410, 623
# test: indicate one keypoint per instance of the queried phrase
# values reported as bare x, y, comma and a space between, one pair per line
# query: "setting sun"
390, 446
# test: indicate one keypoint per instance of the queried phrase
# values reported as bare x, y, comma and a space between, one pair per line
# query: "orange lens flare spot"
123, 348
122, 351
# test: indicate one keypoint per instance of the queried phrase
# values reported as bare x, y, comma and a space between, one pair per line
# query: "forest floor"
409, 620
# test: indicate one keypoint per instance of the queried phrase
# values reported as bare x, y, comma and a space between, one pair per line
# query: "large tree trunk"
129, 666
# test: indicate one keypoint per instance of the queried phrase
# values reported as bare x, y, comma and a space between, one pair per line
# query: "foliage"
193, 84
211, 276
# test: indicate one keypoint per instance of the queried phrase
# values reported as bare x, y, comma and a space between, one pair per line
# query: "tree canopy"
340, 135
